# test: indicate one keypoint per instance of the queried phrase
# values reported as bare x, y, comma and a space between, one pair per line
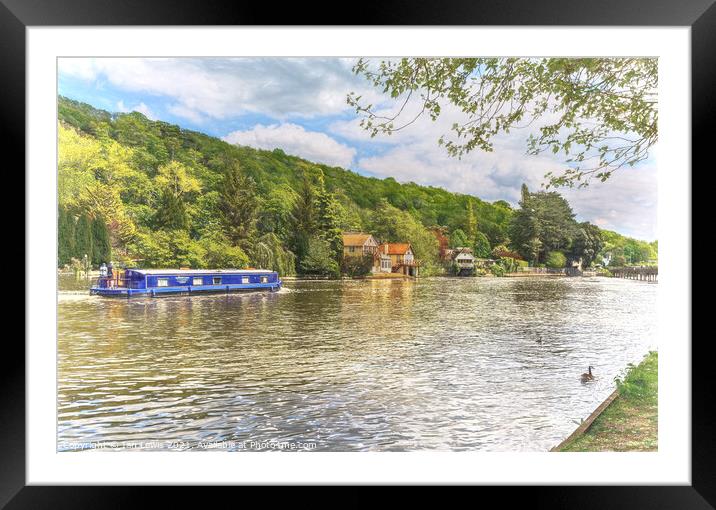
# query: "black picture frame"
700, 15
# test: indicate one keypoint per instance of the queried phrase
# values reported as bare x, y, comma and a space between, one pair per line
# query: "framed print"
424, 247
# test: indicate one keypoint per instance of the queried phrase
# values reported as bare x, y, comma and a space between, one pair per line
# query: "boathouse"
464, 260
402, 258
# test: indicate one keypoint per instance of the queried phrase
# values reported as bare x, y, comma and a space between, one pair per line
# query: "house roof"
462, 253
396, 248
355, 239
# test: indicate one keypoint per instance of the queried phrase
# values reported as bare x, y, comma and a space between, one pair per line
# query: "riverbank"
629, 421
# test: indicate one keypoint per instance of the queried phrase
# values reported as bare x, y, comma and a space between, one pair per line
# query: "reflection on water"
443, 363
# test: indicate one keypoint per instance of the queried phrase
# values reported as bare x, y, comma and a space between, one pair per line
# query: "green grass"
630, 422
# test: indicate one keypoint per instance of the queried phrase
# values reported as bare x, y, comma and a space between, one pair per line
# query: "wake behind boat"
157, 282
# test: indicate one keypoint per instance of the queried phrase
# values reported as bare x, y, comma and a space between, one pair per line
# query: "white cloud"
294, 139
186, 113
223, 88
626, 203
83, 68
140, 107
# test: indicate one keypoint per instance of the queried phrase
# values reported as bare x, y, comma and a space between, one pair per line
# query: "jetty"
643, 273
550, 271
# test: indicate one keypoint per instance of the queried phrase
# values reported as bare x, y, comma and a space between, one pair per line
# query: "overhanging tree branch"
590, 109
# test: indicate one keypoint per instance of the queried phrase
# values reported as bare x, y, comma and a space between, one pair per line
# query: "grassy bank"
629, 423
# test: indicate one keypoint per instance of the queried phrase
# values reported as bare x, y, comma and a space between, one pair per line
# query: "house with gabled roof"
357, 244
360, 244
463, 259
402, 258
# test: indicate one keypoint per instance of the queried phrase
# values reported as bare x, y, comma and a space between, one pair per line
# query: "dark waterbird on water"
588, 375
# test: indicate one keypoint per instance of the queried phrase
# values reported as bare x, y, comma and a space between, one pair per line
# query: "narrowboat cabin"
159, 282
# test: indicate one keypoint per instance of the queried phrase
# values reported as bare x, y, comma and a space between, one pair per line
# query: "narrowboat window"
162, 282
244, 279
264, 279
197, 281
216, 280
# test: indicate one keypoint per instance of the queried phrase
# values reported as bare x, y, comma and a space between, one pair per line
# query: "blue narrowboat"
160, 282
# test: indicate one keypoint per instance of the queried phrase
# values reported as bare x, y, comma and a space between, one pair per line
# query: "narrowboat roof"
198, 271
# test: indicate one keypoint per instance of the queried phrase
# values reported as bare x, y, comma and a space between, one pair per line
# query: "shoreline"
627, 420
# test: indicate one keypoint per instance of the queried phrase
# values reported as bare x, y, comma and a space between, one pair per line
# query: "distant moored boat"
158, 282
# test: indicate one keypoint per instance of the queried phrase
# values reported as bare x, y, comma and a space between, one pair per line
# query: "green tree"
618, 260
269, 252
545, 222
101, 248
168, 248
171, 213
65, 236
319, 259
525, 228
587, 243
632, 250
328, 218
357, 266
220, 253
175, 183
83, 238
305, 217
470, 222
600, 112
555, 259
238, 205
482, 246
274, 214
532, 250
637, 251
91, 176
458, 239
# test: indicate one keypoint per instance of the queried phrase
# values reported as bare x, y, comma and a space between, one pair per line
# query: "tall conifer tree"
304, 217
65, 236
175, 182
83, 238
101, 248
239, 206
470, 223
328, 219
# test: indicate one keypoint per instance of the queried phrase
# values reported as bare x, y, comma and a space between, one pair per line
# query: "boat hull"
185, 290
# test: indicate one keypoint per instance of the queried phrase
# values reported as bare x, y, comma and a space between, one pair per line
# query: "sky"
299, 105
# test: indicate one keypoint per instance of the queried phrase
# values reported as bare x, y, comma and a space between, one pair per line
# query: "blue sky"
300, 106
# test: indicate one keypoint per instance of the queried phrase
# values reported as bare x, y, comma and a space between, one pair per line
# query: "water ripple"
444, 364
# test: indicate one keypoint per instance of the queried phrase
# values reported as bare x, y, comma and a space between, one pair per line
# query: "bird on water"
588, 375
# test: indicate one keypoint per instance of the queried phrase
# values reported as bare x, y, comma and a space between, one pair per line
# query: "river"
488, 364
